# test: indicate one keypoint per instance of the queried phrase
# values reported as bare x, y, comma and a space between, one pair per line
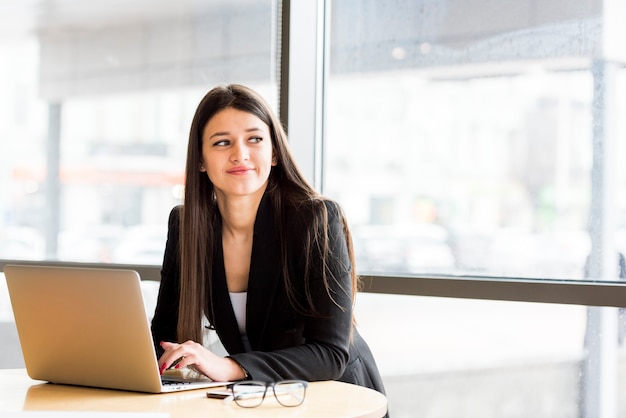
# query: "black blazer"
286, 344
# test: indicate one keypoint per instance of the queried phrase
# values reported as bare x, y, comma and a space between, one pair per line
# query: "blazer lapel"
265, 274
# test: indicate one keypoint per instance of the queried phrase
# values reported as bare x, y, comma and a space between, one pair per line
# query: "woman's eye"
221, 143
256, 139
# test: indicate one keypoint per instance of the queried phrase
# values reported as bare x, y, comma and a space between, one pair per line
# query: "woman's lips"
239, 170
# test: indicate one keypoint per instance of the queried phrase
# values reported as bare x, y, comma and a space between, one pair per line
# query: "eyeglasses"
250, 394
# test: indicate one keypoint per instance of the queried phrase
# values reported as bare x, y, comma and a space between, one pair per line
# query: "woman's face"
237, 152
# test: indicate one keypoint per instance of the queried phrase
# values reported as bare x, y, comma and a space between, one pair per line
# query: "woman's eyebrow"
227, 133
218, 134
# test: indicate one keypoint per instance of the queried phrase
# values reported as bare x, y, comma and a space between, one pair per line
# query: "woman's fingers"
169, 356
177, 355
202, 360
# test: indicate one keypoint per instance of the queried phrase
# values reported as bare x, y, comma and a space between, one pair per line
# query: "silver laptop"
88, 327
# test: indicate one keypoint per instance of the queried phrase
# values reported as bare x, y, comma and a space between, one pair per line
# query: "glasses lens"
290, 393
248, 394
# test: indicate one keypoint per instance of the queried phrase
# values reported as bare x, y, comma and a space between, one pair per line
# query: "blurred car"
93, 243
403, 248
21, 243
142, 244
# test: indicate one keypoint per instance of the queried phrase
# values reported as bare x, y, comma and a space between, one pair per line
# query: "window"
99, 101
464, 134
473, 146
444, 357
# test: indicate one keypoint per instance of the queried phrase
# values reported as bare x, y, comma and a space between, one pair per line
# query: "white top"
239, 302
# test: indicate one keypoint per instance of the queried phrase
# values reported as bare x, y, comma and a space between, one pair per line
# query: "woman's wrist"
240, 373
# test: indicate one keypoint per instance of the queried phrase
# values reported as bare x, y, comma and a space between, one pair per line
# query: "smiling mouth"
239, 170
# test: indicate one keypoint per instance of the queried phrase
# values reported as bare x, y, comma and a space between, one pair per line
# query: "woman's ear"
274, 160
202, 168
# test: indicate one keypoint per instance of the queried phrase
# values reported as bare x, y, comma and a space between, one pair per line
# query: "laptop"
88, 327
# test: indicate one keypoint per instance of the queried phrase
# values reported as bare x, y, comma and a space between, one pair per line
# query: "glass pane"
463, 134
97, 103
459, 358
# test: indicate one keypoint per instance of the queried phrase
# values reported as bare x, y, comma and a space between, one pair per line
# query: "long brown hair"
287, 188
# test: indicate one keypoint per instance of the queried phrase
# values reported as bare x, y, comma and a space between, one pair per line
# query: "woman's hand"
190, 353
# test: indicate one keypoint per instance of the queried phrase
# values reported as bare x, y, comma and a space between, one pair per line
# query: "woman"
260, 254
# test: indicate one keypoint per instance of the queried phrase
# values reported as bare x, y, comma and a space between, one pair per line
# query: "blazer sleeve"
165, 317
324, 350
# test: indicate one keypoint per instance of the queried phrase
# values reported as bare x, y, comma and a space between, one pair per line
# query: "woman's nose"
240, 152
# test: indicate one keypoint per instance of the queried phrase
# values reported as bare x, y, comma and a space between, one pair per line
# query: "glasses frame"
266, 386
